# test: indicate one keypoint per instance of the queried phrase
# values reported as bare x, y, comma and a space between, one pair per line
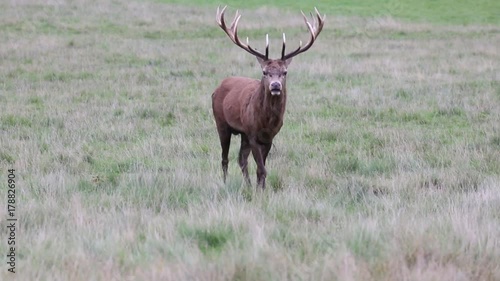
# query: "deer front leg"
257, 152
267, 148
243, 157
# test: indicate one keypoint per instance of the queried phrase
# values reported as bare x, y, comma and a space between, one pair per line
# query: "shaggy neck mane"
272, 107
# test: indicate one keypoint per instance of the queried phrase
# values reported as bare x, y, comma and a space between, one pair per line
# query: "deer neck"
272, 106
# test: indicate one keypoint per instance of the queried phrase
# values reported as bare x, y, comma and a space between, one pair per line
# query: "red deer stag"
255, 108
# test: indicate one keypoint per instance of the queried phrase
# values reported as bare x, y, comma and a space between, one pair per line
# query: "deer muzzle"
275, 88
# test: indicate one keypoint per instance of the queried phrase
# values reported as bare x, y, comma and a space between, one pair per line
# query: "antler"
314, 30
232, 32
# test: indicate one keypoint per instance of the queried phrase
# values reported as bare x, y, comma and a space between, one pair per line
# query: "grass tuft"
210, 241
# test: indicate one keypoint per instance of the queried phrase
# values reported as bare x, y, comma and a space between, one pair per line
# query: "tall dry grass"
387, 167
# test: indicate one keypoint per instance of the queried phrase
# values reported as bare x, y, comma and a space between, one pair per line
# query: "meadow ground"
387, 167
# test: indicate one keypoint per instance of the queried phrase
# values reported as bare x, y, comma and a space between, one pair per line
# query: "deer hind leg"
225, 141
243, 157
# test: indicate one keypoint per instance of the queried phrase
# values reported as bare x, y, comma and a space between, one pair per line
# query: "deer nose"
276, 86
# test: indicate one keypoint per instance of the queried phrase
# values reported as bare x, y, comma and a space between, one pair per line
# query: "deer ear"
262, 62
288, 61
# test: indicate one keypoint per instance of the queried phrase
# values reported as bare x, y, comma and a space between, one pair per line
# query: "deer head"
273, 70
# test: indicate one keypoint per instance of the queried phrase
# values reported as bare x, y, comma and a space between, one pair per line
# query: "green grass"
387, 166
436, 11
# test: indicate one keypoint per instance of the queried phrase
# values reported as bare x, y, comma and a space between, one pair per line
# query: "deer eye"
265, 73
284, 73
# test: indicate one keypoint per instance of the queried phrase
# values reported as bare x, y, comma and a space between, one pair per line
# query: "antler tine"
217, 15
220, 16
318, 15
232, 33
235, 21
314, 31
283, 48
267, 46
315, 23
310, 26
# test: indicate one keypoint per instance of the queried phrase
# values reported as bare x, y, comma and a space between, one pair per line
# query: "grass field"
387, 166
